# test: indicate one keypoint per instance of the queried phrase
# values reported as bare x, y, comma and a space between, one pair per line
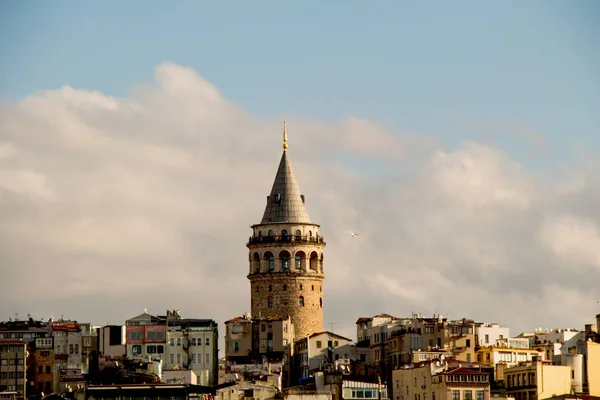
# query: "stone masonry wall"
286, 289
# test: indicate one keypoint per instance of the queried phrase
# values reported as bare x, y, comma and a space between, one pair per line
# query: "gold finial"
284, 136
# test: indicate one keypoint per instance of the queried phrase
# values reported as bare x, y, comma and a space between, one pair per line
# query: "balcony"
286, 239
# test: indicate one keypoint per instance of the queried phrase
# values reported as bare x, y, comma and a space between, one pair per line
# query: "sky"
139, 139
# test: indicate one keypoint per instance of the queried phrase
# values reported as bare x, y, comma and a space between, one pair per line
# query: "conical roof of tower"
285, 203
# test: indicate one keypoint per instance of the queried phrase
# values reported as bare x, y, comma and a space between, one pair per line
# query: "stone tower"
286, 256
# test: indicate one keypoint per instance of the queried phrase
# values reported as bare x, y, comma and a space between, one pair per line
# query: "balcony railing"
287, 238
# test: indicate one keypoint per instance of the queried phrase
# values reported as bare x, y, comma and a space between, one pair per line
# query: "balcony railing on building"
286, 238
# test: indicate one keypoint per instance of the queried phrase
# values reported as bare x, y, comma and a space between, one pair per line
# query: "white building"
313, 352
487, 334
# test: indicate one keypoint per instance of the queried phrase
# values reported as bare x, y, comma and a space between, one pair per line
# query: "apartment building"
537, 380
192, 344
13, 365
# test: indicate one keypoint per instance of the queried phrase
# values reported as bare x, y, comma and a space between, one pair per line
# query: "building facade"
192, 344
13, 365
286, 257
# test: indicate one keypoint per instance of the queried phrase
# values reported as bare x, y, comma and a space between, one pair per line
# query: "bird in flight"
353, 234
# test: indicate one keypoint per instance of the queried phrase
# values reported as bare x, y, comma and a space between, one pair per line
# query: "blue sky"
457, 70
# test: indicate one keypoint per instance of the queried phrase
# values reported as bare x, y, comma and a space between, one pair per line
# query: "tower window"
257, 289
270, 288
321, 302
310, 233
270, 302
270, 233
301, 301
284, 234
301, 287
312, 287
277, 198
298, 262
284, 287
259, 234
302, 197
269, 256
298, 235
284, 262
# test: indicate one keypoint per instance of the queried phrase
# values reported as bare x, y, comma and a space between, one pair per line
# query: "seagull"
352, 234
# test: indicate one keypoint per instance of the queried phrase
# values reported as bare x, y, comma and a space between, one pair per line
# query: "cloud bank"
112, 205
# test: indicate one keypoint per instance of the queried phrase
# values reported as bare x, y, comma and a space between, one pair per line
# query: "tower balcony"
287, 239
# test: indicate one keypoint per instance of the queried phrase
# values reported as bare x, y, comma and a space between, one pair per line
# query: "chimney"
597, 323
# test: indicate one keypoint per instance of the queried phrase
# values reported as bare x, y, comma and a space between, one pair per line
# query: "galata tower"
286, 256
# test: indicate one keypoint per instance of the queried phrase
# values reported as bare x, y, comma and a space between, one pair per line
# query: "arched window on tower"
270, 302
298, 235
284, 287
321, 302
271, 260
270, 288
301, 301
259, 234
284, 256
284, 234
270, 233
298, 262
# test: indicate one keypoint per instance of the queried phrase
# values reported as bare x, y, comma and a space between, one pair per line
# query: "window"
236, 346
479, 394
284, 262
468, 342
270, 328
285, 342
172, 358
76, 350
40, 369
321, 302
298, 262
319, 344
301, 287
136, 349
45, 353
207, 341
433, 396
155, 335
172, 342
160, 349
48, 369
270, 302
263, 327
194, 341
135, 335
178, 358
87, 341
178, 341
151, 349
193, 358
298, 235
270, 288
70, 349
207, 358
271, 262
487, 339
284, 234
301, 301
270, 233
456, 395
284, 287
467, 395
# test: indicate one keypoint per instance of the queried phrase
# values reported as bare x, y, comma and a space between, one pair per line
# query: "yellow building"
439, 381
593, 368
537, 380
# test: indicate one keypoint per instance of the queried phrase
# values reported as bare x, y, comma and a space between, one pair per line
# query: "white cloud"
109, 206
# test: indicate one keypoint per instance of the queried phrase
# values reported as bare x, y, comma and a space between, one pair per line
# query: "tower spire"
284, 136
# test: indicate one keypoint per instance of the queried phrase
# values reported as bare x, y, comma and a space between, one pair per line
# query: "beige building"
286, 257
500, 358
593, 366
13, 363
439, 381
192, 344
537, 380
